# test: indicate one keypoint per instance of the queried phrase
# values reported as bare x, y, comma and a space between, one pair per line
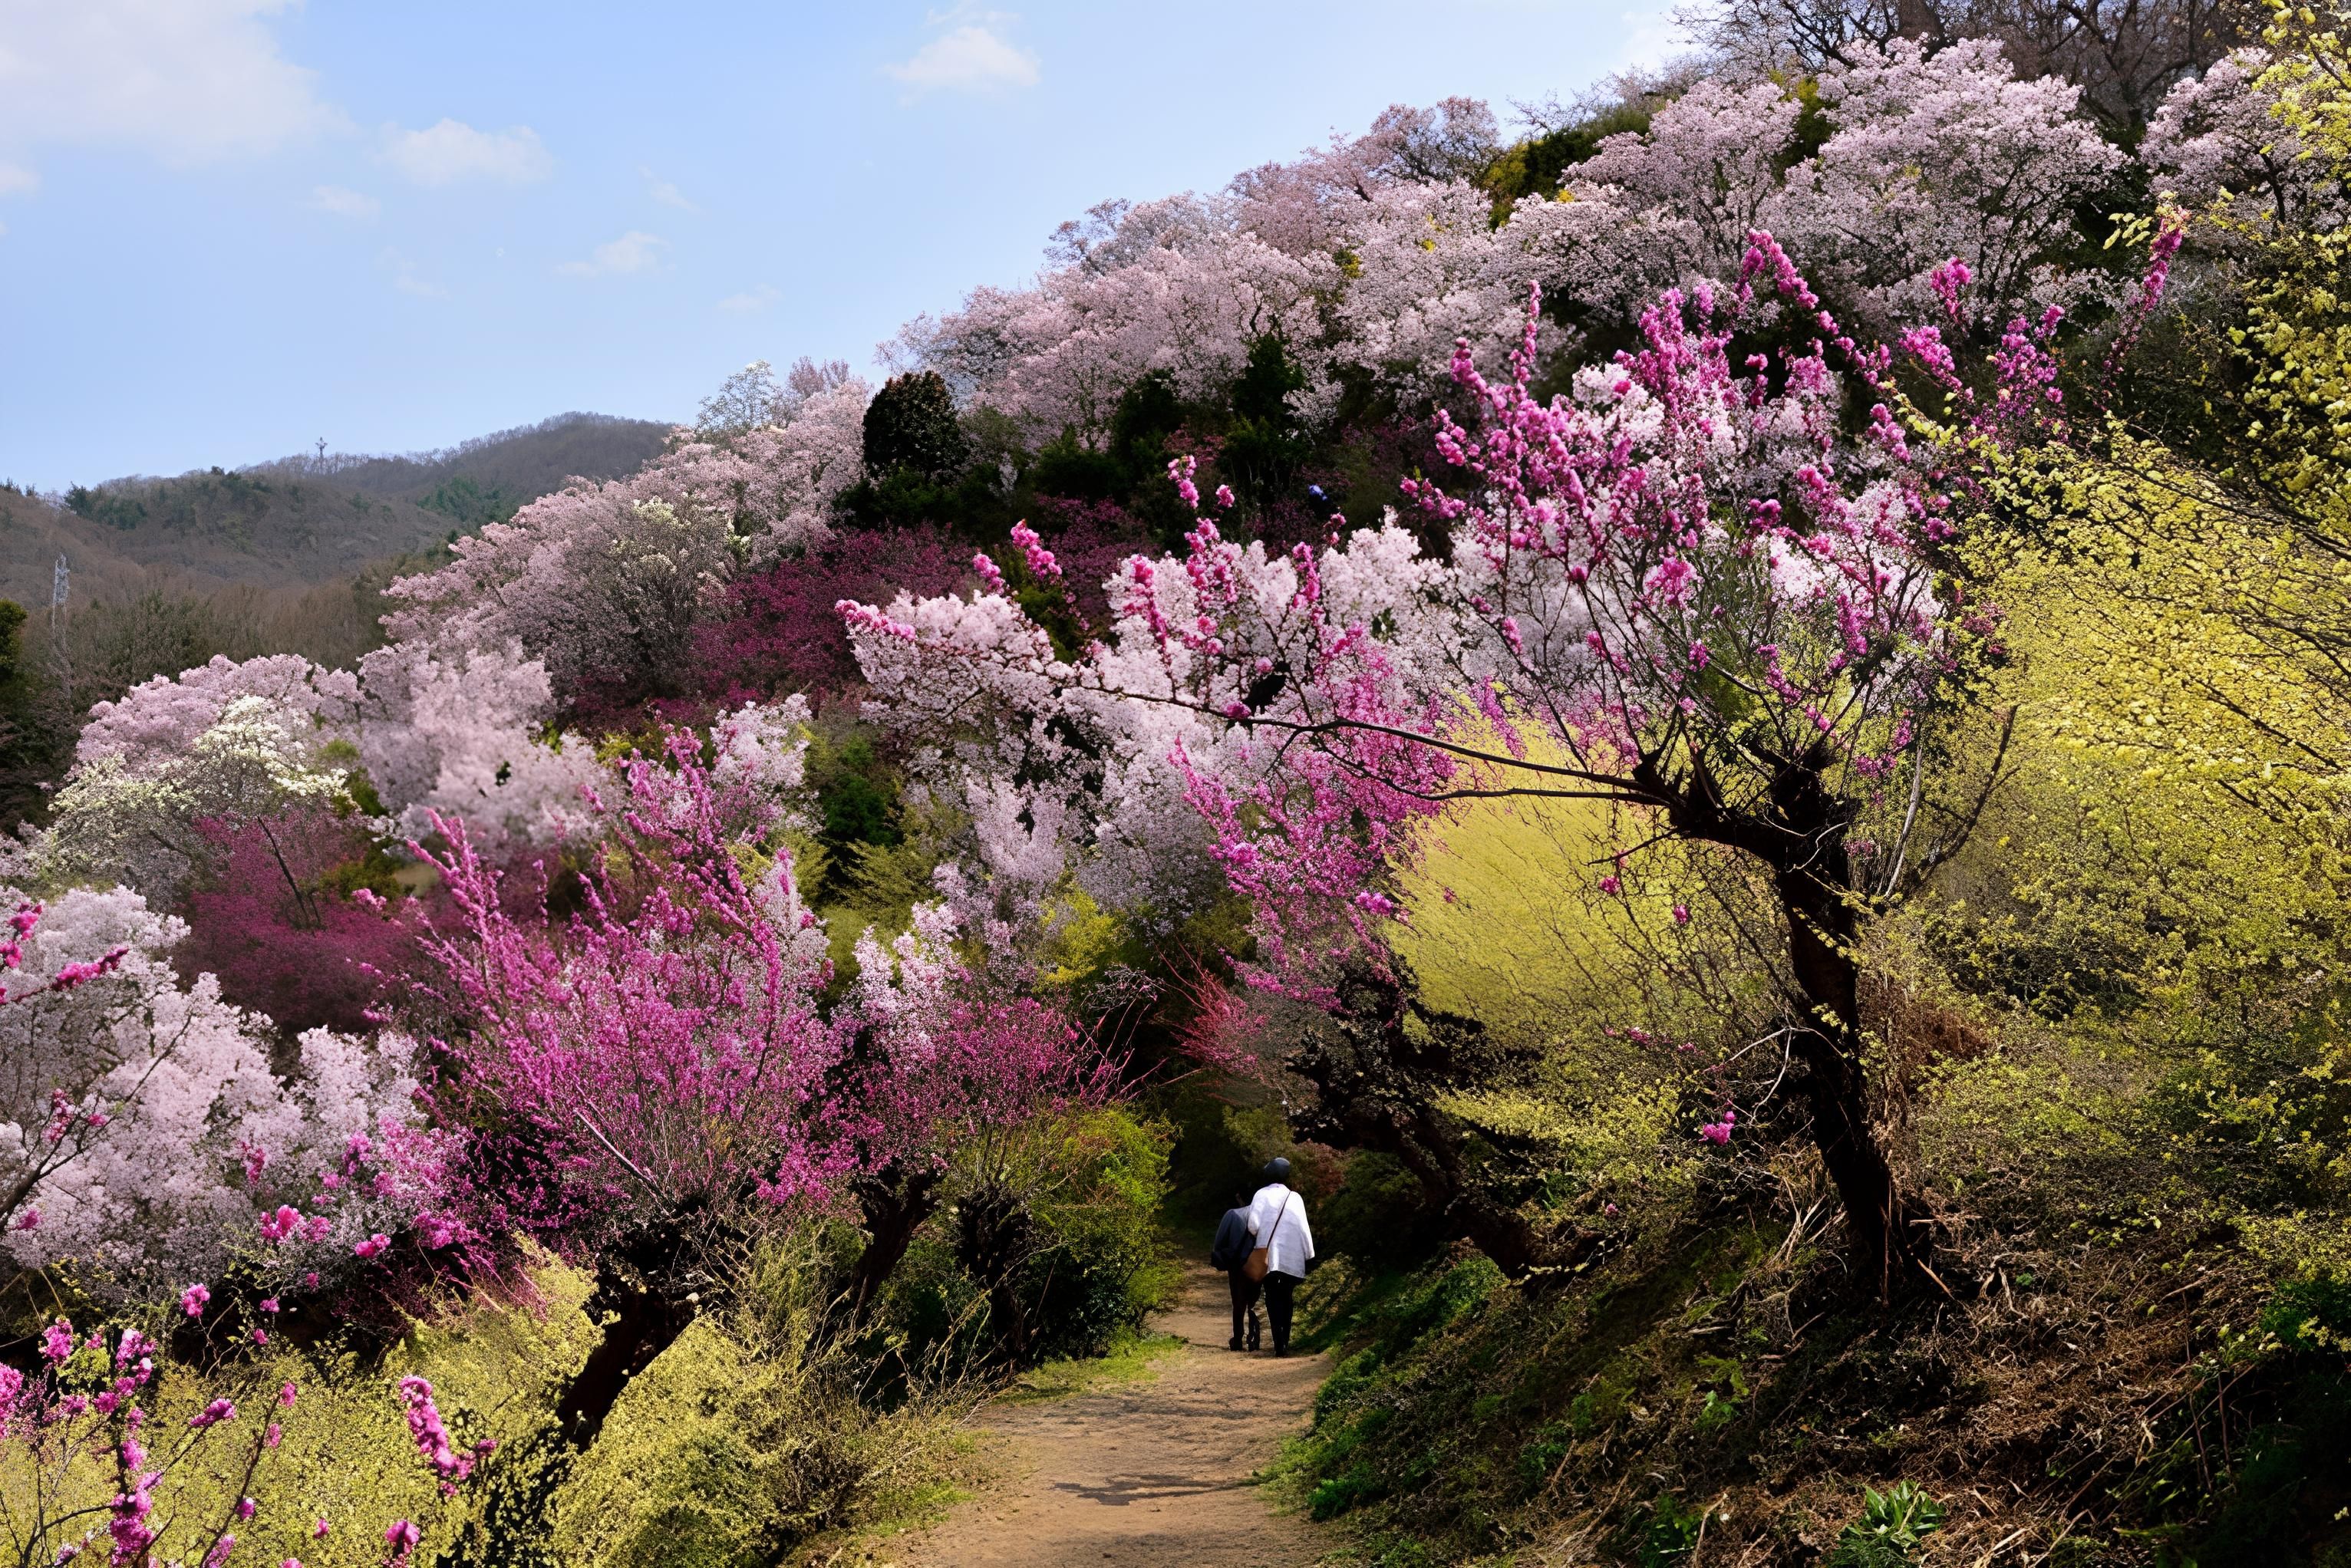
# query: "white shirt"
1278, 1219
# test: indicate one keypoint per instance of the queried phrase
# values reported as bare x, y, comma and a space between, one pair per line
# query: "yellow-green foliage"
743, 1438
1083, 939
713, 1455
1099, 1175
747, 1437
347, 1456
1507, 925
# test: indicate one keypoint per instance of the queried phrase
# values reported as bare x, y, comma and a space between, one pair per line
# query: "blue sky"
228, 227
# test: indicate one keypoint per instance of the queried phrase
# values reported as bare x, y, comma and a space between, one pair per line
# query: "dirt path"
1156, 1473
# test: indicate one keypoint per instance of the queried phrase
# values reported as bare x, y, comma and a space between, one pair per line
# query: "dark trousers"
1245, 1295
1278, 1307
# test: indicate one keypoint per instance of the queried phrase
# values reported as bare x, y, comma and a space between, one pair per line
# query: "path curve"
1156, 1473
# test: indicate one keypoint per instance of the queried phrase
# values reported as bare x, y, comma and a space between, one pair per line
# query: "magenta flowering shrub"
1089, 539
660, 1075
659, 1048
282, 921
775, 630
669, 1046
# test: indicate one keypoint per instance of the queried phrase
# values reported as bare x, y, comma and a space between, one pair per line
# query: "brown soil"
1155, 1473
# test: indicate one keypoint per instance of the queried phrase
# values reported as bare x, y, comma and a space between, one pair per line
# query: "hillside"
300, 521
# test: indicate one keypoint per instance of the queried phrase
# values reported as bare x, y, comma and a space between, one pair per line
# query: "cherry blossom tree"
1943, 155
460, 734
607, 581
1693, 185
1189, 305
136, 817
1430, 270
2219, 133
1930, 156
1303, 206
229, 747
143, 1136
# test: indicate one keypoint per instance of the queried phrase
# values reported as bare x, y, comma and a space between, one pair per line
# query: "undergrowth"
1711, 1393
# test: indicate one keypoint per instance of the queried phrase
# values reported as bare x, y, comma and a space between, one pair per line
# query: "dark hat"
1277, 1169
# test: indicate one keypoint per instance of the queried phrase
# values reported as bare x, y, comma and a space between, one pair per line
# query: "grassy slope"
2140, 1402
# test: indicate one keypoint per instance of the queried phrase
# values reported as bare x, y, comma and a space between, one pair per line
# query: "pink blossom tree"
1929, 157
1724, 619
1941, 156
605, 583
1187, 304
229, 747
2219, 133
657, 1078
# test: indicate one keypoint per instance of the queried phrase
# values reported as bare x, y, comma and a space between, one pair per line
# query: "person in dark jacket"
1229, 1253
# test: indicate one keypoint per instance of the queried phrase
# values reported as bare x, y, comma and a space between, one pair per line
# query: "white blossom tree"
144, 1138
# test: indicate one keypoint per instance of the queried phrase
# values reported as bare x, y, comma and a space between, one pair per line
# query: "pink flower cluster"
431, 1439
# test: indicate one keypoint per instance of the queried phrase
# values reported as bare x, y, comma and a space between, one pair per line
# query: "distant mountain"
300, 521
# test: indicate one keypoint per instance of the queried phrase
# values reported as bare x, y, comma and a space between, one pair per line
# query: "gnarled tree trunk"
1802, 839
995, 1235
895, 1204
1375, 1092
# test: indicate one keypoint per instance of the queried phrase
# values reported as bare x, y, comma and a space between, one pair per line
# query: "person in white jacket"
1277, 1222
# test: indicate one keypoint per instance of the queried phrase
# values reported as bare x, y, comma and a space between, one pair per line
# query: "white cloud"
757, 299
406, 279
971, 58
635, 251
16, 180
453, 151
667, 194
188, 81
343, 204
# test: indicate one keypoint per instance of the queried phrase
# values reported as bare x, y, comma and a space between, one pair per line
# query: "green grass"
1130, 1359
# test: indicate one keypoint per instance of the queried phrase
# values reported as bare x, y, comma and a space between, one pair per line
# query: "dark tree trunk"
1917, 19
895, 1204
1802, 838
646, 1321
1432, 1151
1827, 1045
651, 1285
649, 1290
994, 1237
1813, 889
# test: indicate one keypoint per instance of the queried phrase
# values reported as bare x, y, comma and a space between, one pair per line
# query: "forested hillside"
1723, 718
301, 521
